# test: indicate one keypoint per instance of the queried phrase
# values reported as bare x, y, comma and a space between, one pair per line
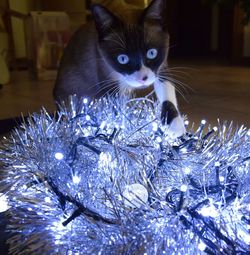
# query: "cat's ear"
155, 14
104, 19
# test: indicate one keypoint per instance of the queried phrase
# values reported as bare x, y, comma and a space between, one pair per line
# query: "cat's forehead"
127, 30
154, 35
136, 36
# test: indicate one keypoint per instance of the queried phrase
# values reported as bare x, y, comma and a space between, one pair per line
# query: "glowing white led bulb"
221, 178
187, 170
209, 211
47, 199
76, 179
244, 235
105, 157
58, 226
59, 156
85, 100
3, 203
154, 126
158, 139
217, 163
202, 246
203, 122
184, 187
103, 124
183, 150
135, 195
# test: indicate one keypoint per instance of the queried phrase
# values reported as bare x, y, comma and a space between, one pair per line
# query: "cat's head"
135, 51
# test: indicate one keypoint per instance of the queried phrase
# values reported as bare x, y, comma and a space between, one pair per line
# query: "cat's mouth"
140, 79
139, 83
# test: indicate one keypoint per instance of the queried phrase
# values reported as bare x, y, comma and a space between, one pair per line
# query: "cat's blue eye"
123, 59
152, 53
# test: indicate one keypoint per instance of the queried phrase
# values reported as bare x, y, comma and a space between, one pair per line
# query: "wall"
63, 5
246, 47
25, 6
2, 3
215, 28
3, 34
75, 9
22, 6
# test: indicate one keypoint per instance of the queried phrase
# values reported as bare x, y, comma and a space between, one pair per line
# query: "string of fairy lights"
105, 177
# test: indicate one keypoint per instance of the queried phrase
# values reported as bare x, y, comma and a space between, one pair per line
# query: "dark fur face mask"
137, 51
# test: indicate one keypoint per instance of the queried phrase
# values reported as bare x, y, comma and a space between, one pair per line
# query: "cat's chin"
138, 85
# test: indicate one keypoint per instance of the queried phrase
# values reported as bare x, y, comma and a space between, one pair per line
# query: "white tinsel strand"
104, 177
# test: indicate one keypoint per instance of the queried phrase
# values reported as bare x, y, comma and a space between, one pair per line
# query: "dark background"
190, 25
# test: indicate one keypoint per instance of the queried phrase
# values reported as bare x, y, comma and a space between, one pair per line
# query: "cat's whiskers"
183, 68
125, 89
105, 86
107, 92
113, 91
117, 43
174, 79
171, 72
109, 86
180, 75
175, 83
117, 38
102, 83
99, 84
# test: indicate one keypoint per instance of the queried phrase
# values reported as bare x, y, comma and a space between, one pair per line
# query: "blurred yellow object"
4, 73
47, 33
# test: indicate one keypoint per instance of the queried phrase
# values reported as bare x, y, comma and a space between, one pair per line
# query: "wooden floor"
216, 91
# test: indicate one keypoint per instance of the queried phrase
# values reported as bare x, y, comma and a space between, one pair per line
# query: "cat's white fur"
136, 79
165, 91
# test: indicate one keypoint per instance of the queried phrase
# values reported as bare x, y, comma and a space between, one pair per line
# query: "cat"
116, 53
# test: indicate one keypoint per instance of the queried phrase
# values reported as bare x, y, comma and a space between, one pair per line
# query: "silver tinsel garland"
105, 177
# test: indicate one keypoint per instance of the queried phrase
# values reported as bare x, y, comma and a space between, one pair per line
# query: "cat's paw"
168, 112
173, 121
176, 128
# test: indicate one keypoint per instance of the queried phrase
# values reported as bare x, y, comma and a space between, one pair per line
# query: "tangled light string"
104, 177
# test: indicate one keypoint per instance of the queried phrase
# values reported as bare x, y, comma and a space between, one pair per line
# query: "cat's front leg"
170, 115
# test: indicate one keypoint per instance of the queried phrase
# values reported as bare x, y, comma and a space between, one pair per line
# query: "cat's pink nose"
143, 79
